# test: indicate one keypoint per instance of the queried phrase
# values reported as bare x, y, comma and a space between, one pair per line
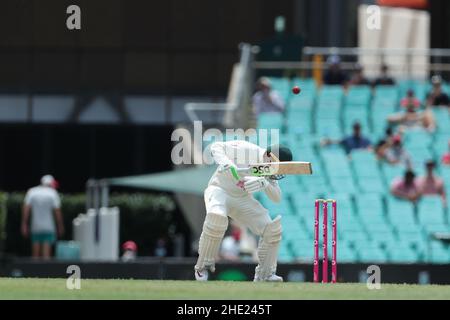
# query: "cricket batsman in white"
230, 194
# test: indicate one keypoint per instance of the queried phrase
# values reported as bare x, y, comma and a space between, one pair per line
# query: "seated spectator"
161, 248
431, 184
395, 153
383, 144
436, 97
446, 157
265, 99
129, 251
230, 247
334, 75
354, 141
410, 101
412, 118
384, 78
406, 187
358, 77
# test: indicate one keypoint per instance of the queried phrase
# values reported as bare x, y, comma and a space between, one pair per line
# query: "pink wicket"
316, 242
334, 244
325, 241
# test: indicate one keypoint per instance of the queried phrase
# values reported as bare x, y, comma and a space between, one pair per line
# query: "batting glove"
230, 169
255, 184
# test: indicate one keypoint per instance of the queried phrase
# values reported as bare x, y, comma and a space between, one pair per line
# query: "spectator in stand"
265, 99
384, 143
446, 157
384, 78
395, 153
406, 188
354, 141
412, 118
334, 75
437, 97
43, 204
129, 251
161, 248
430, 184
358, 78
231, 246
410, 101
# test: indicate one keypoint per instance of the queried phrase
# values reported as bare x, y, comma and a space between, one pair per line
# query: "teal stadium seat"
391, 172
386, 93
384, 103
358, 96
270, 120
371, 252
331, 94
414, 138
367, 171
346, 253
442, 117
402, 252
285, 254
303, 251
431, 211
400, 211
383, 237
440, 144
439, 253
282, 86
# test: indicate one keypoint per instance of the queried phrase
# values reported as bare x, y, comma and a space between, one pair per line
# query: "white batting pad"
214, 229
268, 249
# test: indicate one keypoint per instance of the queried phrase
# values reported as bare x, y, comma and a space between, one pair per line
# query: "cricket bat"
274, 168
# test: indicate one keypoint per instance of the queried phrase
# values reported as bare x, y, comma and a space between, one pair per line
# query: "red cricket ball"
296, 90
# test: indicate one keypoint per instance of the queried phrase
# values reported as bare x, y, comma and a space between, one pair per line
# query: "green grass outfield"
27, 288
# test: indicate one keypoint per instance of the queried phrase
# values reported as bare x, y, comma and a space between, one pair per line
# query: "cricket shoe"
272, 278
201, 275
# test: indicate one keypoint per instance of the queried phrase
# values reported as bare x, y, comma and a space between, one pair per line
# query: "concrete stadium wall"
398, 28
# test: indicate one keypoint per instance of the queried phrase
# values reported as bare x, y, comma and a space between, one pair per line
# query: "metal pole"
104, 193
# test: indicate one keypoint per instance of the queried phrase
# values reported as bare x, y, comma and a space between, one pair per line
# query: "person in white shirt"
265, 99
230, 194
43, 204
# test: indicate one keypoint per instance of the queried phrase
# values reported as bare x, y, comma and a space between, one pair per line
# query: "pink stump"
325, 243
316, 242
334, 245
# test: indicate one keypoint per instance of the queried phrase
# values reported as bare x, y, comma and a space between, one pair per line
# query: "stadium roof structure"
192, 180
